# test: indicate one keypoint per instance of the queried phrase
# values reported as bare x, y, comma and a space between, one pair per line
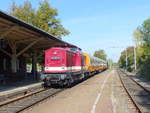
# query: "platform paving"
99, 94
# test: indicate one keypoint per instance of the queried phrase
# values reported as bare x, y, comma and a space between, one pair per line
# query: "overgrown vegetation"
142, 41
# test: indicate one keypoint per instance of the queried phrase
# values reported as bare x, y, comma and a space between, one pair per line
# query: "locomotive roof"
72, 49
24, 33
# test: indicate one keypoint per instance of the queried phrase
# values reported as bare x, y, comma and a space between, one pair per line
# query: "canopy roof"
24, 34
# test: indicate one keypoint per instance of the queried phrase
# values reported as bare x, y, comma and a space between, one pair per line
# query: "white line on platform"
113, 99
98, 96
95, 103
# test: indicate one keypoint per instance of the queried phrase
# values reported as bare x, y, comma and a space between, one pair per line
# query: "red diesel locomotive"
63, 66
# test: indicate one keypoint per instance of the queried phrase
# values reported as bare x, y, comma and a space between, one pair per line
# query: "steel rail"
38, 101
45, 92
20, 97
133, 101
148, 91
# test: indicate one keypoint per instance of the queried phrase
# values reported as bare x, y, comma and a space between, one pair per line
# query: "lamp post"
126, 59
135, 58
135, 55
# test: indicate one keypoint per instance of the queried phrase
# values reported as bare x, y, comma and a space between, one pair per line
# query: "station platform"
12, 90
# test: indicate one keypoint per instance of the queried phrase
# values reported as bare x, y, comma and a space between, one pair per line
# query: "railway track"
22, 103
139, 96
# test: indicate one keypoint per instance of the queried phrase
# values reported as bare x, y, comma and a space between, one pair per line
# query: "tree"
44, 17
130, 59
145, 28
142, 36
47, 20
24, 12
100, 54
137, 35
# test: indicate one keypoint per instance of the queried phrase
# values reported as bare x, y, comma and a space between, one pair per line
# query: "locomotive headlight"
63, 76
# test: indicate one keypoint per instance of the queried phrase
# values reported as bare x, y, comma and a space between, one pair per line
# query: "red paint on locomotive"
57, 60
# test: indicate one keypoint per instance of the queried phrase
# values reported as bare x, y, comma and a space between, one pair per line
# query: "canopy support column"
13, 47
34, 64
15, 54
14, 62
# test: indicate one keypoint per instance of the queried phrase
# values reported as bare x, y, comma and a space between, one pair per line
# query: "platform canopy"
21, 36
24, 34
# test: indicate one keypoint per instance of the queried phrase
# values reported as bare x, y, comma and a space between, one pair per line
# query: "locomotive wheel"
68, 84
47, 84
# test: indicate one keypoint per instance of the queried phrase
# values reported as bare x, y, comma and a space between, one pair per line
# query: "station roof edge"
31, 27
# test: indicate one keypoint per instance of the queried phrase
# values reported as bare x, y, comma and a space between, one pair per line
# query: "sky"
97, 24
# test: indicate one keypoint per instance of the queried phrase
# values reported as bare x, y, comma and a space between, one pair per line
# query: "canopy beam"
4, 34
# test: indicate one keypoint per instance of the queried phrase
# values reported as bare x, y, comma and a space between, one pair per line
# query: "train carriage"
94, 64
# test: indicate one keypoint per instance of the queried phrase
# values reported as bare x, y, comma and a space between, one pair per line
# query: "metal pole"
134, 57
126, 60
